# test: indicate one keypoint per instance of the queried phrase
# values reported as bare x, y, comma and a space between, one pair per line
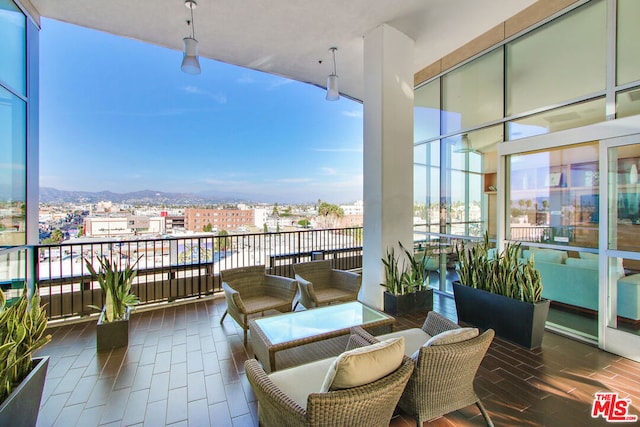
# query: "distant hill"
52, 195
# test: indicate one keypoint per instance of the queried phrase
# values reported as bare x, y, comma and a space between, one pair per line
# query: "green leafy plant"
502, 274
22, 331
116, 287
407, 272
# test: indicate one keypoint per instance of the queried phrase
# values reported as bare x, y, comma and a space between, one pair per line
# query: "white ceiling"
290, 37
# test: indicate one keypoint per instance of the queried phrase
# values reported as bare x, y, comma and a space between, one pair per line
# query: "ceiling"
291, 38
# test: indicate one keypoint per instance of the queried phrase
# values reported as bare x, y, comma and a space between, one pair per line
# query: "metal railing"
184, 267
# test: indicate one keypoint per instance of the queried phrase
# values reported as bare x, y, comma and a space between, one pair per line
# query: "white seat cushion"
300, 381
414, 338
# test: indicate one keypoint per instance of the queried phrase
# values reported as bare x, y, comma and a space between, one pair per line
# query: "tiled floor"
182, 368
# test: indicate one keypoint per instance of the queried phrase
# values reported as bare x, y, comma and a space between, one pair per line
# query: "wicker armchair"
368, 405
320, 284
442, 381
249, 290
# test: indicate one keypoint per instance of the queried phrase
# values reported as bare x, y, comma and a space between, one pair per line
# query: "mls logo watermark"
613, 409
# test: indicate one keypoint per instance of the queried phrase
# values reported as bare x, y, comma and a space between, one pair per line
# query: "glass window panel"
12, 169
562, 60
621, 276
573, 116
624, 197
427, 111
420, 154
472, 94
13, 47
553, 196
628, 103
628, 66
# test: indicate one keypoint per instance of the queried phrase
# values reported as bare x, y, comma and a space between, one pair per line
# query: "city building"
197, 219
123, 226
527, 109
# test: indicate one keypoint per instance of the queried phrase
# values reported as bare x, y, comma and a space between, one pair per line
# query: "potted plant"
497, 290
113, 323
406, 282
22, 332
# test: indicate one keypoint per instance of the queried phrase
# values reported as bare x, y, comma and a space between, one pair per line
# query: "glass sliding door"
620, 259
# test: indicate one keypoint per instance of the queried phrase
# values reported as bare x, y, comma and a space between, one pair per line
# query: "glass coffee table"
296, 331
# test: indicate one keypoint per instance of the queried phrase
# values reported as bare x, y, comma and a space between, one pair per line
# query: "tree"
329, 215
222, 242
57, 236
207, 228
304, 223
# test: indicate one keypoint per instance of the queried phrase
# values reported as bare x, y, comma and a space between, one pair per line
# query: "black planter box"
517, 321
114, 334
408, 303
21, 408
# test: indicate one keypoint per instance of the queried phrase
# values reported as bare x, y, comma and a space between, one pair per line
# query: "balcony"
183, 368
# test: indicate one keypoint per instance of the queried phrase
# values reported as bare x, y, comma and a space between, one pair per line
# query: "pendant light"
332, 81
190, 62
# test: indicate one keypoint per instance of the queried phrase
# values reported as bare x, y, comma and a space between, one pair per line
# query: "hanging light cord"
193, 24
333, 49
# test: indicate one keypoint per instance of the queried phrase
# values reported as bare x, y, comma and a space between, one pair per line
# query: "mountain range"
52, 195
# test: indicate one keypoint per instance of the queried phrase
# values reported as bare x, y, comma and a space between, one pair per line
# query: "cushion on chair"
451, 336
364, 365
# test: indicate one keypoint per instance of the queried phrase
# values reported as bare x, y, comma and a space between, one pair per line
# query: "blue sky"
118, 114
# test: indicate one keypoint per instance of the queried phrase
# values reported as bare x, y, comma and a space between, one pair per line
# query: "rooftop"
183, 368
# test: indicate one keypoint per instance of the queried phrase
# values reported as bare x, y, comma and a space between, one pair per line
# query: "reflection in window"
573, 116
12, 169
628, 103
13, 47
553, 196
624, 197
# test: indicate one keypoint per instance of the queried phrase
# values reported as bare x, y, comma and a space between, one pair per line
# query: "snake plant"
406, 273
116, 287
502, 274
22, 331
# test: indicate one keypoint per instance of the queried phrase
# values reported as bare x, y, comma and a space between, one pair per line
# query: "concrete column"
388, 153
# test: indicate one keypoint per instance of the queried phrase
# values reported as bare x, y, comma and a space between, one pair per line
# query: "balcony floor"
182, 368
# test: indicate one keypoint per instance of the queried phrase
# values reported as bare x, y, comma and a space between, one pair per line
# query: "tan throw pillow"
364, 365
451, 336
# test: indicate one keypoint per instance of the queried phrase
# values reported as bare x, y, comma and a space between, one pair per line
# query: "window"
553, 196
561, 61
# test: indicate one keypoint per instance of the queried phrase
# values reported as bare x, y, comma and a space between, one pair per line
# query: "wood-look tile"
142, 377
197, 389
115, 406
135, 407
156, 413
68, 416
199, 414
159, 388
178, 376
183, 368
177, 409
215, 389
236, 400
220, 413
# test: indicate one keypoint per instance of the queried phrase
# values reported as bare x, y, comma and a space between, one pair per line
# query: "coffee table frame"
265, 351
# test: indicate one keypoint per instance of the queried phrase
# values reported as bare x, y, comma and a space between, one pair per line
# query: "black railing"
183, 267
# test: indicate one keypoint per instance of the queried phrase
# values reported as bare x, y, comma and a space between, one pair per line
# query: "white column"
388, 152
